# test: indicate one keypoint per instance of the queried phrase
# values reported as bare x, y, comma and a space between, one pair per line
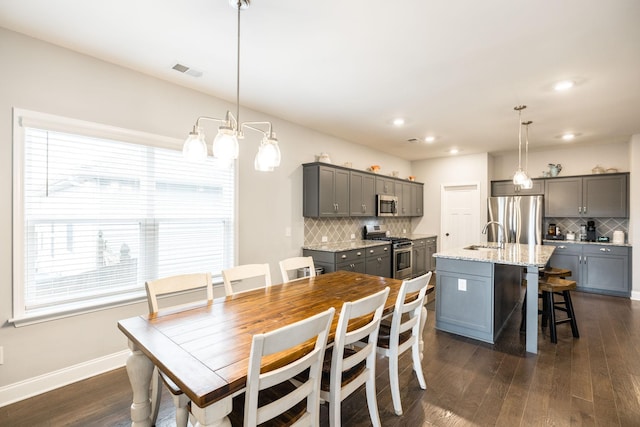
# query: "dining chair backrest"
243, 272
179, 283
295, 263
409, 315
347, 358
156, 288
286, 339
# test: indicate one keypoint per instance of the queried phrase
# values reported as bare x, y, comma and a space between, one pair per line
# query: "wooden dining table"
204, 347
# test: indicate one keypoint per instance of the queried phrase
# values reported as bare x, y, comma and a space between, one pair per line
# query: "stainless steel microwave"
386, 205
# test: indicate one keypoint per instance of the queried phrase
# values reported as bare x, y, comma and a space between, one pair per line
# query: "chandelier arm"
213, 119
251, 125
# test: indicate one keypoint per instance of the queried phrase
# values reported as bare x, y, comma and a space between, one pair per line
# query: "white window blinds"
100, 216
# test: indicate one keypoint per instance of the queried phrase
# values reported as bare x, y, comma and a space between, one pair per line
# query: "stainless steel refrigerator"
521, 217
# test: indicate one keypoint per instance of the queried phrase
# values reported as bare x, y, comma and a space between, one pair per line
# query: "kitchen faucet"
503, 240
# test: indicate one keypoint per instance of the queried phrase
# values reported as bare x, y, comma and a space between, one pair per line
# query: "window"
99, 210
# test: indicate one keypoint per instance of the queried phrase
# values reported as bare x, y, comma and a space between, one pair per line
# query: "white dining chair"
243, 272
270, 397
404, 333
295, 263
164, 286
351, 366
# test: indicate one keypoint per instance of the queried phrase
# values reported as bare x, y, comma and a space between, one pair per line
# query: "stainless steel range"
402, 254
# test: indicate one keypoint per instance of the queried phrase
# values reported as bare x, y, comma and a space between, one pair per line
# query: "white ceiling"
454, 69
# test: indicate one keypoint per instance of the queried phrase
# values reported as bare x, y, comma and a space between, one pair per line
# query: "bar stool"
543, 274
560, 287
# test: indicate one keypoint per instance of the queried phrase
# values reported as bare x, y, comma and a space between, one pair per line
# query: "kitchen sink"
481, 248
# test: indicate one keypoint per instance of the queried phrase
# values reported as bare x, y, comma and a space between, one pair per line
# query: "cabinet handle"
364, 208
353, 266
386, 249
579, 209
605, 250
584, 209
561, 247
379, 260
344, 257
371, 251
359, 253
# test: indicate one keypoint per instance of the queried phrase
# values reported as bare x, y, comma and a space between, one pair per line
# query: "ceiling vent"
413, 140
186, 70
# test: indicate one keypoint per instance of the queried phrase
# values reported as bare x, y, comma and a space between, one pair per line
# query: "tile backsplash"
341, 229
604, 226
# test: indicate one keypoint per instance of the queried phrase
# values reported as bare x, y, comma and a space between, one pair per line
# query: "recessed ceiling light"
453, 151
563, 85
568, 136
430, 139
398, 122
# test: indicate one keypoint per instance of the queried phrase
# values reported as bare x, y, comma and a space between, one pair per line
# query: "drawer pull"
561, 247
344, 257
386, 248
605, 250
359, 253
371, 251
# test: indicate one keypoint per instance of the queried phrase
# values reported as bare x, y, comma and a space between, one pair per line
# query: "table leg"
214, 415
532, 310
139, 369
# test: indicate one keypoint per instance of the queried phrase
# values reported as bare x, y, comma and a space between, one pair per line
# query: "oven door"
402, 262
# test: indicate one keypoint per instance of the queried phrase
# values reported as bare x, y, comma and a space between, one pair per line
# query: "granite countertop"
345, 246
578, 242
513, 253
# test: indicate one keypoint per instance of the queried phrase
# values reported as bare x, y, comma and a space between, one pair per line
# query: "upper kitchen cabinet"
410, 198
507, 188
596, 196
325, 191
386, 186
362, 194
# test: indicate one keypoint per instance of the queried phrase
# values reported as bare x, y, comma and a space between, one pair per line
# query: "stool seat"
555, 272
556, 284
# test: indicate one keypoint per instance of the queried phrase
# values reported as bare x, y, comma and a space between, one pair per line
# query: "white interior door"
460, 224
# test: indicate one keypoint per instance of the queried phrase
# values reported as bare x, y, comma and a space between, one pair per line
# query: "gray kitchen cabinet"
417, 199
363, 260
603, 269
420, 260
385, 186
432, 248
325, 191
597, 196
378, 261
605, 196
507, 188
362, 194
403, 191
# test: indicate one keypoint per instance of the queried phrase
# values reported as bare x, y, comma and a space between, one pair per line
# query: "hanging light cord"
526, 159
238, 72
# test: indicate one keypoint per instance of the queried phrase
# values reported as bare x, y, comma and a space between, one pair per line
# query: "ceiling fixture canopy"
225, 145
520, 177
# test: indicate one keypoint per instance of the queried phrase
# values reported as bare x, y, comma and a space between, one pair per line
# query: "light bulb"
225, 144
195, 148
527, 184
519, 177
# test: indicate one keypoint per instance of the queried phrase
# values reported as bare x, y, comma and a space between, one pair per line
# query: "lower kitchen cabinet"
603, 269
371, 260
378, 261
423, 260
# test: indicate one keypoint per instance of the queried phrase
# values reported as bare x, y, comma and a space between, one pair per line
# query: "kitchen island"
478, 288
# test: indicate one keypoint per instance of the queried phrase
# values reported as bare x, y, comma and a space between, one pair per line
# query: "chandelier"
225, 144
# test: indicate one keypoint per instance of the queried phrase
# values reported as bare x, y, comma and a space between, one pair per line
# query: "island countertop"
512, 254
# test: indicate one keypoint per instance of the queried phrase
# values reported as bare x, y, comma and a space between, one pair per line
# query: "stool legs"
549, 311
570, 313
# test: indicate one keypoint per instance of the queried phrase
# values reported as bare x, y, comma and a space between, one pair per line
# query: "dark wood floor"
593, 380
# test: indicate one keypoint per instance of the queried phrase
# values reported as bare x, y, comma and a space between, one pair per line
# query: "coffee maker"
591, 231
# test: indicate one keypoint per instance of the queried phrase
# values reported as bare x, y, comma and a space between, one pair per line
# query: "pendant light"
528, 183
520, 176
225, 145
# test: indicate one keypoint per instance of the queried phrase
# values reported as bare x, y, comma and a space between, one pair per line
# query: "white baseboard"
635, 295
37, 385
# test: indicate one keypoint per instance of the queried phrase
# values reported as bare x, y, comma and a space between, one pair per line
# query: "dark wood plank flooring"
590, 381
